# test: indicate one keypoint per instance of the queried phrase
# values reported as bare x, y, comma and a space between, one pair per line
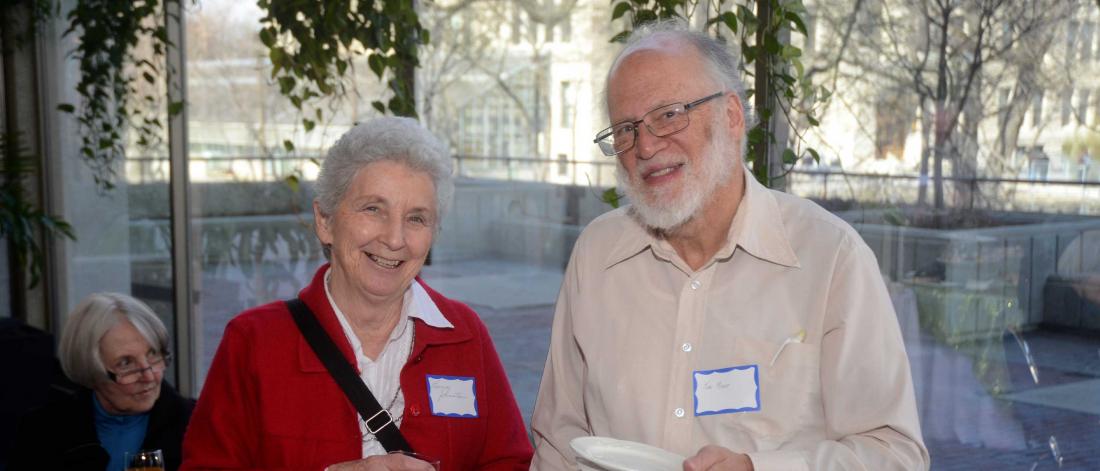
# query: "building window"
568, 104
563, 165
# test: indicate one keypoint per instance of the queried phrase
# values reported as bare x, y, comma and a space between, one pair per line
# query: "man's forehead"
645, 78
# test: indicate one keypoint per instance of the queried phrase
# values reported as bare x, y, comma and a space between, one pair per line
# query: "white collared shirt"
383, 374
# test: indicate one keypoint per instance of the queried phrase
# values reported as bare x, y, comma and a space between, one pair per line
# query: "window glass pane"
123, 241
984, 221
252, 229
991, 291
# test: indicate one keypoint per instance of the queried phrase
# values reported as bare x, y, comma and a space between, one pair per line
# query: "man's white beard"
664, 210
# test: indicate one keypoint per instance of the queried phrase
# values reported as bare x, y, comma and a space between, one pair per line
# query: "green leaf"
813, 153
730, 20
772, 45
377, 64
175, 108
611, 197
66, 108
757, 135
293, 183
286, 84
618, 38
267, 36
645, 16
308, 124
620, 10
797, 22
278, 60
289, 146
379, 106
789, 156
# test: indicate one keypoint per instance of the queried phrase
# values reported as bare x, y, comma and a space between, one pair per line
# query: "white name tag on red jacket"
452, 396
727, 390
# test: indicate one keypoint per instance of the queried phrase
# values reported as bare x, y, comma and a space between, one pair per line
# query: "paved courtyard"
1028, 401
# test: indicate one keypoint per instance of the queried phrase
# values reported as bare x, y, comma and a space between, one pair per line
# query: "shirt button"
695, 284
686, 347
679, 412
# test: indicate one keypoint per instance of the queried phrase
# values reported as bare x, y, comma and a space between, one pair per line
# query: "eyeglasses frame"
165, 360
634, 124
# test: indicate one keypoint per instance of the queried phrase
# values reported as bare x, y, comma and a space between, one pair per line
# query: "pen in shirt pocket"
796, 338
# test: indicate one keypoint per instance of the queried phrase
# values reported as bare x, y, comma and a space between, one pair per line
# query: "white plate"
620, 455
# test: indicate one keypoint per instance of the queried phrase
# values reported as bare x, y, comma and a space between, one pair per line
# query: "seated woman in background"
113, 345
269, 401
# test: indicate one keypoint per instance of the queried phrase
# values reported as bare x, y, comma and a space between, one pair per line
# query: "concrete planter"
974, 283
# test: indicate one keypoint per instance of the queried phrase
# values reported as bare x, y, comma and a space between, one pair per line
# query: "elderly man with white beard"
739, 327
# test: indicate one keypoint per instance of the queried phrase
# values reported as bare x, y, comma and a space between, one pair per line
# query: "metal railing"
1062, 196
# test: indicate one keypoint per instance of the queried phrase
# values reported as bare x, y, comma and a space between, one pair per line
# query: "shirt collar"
416, 304
422, 307
757, 228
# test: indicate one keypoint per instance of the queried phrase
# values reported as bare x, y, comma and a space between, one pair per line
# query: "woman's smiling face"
381, 231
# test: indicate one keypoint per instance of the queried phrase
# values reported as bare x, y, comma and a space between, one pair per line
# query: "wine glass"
145, 460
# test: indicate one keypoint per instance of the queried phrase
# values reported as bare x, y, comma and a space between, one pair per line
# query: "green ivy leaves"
312, 46
111, 76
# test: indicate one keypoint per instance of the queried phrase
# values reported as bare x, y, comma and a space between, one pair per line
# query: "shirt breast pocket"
790, 390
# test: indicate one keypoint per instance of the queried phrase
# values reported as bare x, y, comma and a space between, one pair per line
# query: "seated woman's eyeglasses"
157, 362
661, 122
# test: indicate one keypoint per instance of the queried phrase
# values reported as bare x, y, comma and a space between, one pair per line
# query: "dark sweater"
62, 434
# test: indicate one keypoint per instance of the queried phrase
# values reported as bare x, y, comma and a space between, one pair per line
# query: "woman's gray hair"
78, 348
722, 65
387, 138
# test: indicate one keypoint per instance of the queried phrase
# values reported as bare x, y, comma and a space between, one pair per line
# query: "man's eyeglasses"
661, 122
157, 364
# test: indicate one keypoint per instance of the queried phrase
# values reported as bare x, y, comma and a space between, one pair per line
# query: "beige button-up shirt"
794, 291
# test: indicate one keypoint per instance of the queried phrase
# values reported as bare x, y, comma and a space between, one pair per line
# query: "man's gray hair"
78, 348
723, 66
390, 138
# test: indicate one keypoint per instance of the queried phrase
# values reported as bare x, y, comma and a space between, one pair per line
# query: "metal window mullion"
186, 371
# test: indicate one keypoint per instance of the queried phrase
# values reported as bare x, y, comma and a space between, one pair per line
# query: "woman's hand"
390, 462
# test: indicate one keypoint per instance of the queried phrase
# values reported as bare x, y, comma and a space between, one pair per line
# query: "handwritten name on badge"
452, 396
727, 390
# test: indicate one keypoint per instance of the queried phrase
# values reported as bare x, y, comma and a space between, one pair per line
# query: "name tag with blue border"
452, 396
726, 390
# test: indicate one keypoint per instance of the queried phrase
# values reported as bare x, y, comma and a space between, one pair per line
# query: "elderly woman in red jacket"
269, 401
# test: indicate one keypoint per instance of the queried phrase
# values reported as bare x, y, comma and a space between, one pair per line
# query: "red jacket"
269, 403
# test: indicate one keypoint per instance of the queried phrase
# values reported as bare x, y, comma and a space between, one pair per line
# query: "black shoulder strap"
379, 422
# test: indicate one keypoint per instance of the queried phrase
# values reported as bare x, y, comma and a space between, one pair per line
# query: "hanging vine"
312, 46
779, 84
113, 99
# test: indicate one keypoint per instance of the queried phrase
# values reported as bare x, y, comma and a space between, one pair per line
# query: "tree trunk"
926, 124
762, 97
